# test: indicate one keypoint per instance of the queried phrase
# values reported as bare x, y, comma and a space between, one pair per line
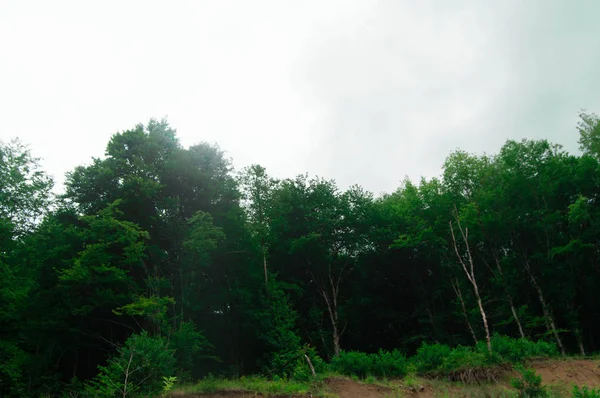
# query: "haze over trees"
161, 254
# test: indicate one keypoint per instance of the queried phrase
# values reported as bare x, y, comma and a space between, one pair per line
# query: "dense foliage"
161, 261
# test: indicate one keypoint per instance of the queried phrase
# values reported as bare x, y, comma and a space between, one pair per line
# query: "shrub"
516, 350
353, 363
389, 364
585, 392
168, 383
530, 383
360, 364
190, 346
302, 370
430, 357
463, 358
136, 369
276, 320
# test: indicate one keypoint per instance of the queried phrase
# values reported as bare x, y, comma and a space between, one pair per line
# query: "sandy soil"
568, 372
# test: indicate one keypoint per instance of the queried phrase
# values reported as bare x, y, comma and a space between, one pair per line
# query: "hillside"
559, 376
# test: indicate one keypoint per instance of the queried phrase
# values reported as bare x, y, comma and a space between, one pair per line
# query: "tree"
24, 188
24, 199
137, 368
468, 267
589, 134
257, 188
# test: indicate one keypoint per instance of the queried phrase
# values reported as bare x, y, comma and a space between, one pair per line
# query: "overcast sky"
363, 92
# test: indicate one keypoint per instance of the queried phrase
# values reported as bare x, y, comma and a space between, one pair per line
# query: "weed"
529, 385
168, 383
252, 384
585, 392
430, 357
411, 381
353, 363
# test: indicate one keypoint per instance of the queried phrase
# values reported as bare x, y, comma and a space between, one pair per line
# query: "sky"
365, 92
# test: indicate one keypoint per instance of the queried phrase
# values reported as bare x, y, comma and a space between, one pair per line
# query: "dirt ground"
558, 375
579, 372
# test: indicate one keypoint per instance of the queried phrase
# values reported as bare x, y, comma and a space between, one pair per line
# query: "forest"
162, 261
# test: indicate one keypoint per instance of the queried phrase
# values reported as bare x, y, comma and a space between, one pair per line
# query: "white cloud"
361, 91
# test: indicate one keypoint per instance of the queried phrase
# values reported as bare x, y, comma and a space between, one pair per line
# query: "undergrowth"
462, 363
585, 392
529, 385
253, 384
441, 358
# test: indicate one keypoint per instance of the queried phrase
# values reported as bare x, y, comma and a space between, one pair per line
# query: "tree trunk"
580, 341
312, 368
333, 317
464, 309
545, 309
488, 339
336, 342
514, 312
508, 296
470, 272
264, 252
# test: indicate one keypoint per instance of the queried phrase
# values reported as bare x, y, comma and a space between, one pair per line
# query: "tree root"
473, 375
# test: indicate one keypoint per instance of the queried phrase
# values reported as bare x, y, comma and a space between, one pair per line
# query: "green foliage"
12, 368
25, 189
529, 385
381, 364
589, 130
168, 383
464, 358
585, 392
302, 371
137, 368
353, 363
161, 237
516, 350
277, 330
152, 308
430, 357
440, 357
389, 364
252, 384
191, 347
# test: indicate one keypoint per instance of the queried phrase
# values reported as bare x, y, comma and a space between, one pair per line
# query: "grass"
257, 385
403, 387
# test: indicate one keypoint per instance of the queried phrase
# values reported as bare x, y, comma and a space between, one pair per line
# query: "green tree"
589, 134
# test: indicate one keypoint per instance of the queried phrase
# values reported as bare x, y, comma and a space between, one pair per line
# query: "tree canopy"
160, 254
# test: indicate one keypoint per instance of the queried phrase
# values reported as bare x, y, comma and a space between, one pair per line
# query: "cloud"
398, 85
362, 91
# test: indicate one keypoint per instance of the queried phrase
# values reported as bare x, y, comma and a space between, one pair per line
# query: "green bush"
516, 350
441, 358
430, 357
190, 346
302, 370
389, 364
276, 320
529, 385
463, 357
360, 364
136, 369
353, 363
585, 392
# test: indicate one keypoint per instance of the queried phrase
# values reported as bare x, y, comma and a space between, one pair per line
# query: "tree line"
162, 253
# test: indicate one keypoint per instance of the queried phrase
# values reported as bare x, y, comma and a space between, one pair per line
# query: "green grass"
399, 387
256, 384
